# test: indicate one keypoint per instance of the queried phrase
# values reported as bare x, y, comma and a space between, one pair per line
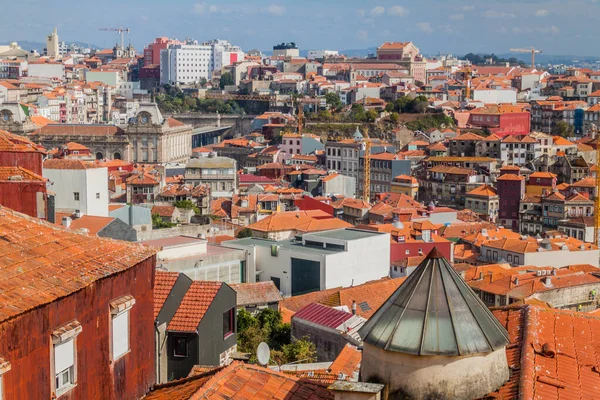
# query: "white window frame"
120, 308
4, 368
67, 334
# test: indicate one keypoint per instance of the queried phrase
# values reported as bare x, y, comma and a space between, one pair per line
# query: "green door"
306, 276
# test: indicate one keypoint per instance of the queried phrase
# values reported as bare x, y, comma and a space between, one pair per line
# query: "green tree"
267, 326
395, 117
244, 233
357, 113
563, 129
158, 222
301, 350
371, 115
226, 80
333, 100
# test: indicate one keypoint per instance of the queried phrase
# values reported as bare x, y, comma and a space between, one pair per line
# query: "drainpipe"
157, 350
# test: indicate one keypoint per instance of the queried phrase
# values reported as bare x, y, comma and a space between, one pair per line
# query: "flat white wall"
365, 260
494, 96
47, 70
86, 182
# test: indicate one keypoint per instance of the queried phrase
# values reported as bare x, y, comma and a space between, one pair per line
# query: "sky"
450, 26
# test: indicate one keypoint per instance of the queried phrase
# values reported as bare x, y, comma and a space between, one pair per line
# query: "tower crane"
121, 30
532, 50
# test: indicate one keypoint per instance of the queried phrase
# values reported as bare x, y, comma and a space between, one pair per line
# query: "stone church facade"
147, 138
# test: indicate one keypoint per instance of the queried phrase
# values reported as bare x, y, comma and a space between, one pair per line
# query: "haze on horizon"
451, 26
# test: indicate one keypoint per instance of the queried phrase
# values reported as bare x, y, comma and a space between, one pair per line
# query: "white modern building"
318, 261
46, 69
79, 185
224, 54
200, 260
191, 62
321, 54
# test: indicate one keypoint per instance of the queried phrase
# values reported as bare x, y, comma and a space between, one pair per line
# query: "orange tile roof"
510, 177
242, 381
257, 293
93, 224
552, 353
542, 175
304, 221
41, 121
19, 144
347, 362
369, 297
467, 136
41, 262
143, 179
60, 163
193, 306
20, 173
163, 283
163, 211
483, 191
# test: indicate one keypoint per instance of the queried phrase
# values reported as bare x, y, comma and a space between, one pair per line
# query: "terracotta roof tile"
483, 191
368, 296
93, 224
258, 293
16, 174
63, 163
347, 362
41, 262
193, 306
163, 283
14, 143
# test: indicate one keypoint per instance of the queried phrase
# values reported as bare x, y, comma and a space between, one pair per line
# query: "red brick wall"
25, 342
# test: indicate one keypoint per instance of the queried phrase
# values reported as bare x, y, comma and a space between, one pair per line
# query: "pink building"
152, 51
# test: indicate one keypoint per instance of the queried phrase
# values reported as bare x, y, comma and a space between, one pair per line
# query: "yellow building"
405, 184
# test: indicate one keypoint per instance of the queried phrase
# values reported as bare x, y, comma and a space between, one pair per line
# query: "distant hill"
39, 46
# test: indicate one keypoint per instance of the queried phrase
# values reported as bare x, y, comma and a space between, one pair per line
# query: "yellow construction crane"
468, 74
597, 194
367, 168
300, 118
533, 52
121, 30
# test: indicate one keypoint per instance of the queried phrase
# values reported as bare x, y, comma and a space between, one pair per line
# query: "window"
4, 367
97, 195
64, 357
228, 320
407, 252
180, 347
76, 196
119, 310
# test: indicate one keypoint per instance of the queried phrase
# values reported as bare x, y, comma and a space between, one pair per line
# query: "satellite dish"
263, 353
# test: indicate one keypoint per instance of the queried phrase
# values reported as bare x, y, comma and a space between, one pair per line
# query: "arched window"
117, 156
99, 156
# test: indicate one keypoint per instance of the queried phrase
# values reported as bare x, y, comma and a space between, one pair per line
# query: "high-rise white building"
191, 62
52, 45
224, 53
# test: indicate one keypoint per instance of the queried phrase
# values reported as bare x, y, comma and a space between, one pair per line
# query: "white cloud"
276, 9
456, 17
497, 14
425, 27
362, 35
398, 11
377, 11
200, 8
542, 13
361, 12
468, 8
203, 8
552, 30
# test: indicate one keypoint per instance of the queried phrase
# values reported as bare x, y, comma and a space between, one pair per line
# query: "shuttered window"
64, 363
120, 334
